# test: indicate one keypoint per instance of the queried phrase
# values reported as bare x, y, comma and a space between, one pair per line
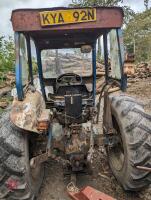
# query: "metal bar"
105, 56
49, 138
18, 68
40, 72
144, 168
29, 58
113, 18
94, 70
121, 59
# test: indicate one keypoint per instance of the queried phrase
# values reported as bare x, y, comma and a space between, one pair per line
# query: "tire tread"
136, 124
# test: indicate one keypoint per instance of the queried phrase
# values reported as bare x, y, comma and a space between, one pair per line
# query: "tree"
138, 33
7, 57
146, 2
129, 13
84, 3
7, 54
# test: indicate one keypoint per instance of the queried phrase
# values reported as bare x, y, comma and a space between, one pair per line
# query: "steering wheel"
69, 78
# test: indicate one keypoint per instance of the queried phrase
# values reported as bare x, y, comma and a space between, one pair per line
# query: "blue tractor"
56, 108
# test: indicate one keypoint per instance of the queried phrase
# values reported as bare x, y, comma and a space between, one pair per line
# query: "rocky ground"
54, 185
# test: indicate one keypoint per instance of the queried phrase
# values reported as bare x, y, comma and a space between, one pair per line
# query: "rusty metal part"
89, 193
107, 117
61, 36
72, 139
76, 144
38, 144
43, 121
29, 20
78, 141
91, 149
42, 126
144, 168
62, 161
45, 156
105, 90
77, 162
111, 138
58, 144
99, 103
25, 114
34, 162
58, 136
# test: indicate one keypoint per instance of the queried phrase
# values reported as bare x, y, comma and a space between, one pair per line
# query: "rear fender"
25, 114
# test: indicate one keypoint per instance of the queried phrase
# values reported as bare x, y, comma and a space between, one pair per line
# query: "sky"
6, 7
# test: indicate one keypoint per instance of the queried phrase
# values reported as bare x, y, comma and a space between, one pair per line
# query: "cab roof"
27, 21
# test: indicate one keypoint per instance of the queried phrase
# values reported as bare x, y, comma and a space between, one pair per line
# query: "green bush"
7, 54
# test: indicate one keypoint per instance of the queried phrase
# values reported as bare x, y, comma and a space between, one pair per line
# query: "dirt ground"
54, 185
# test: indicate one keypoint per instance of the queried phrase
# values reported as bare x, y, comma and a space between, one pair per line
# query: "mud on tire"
134, 127
17, 181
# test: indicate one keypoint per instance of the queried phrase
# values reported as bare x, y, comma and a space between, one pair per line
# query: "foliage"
138, 34
99, 53
128, 12
84, 3
34, 66
146, 2
7, 54
1, 111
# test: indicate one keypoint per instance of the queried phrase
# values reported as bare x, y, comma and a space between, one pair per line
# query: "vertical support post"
29, 58
38, 51
94, 70
121, 59
49, 138
18, 68
57, 61
105, 56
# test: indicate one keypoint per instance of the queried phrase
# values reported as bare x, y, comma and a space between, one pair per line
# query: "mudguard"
26, 114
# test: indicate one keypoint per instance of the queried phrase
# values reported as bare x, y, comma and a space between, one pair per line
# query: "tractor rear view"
55, 108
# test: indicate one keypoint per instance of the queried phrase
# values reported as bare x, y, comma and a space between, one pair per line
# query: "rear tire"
17, 180
133, 126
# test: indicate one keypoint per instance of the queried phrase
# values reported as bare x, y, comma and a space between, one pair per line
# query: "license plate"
72, 16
